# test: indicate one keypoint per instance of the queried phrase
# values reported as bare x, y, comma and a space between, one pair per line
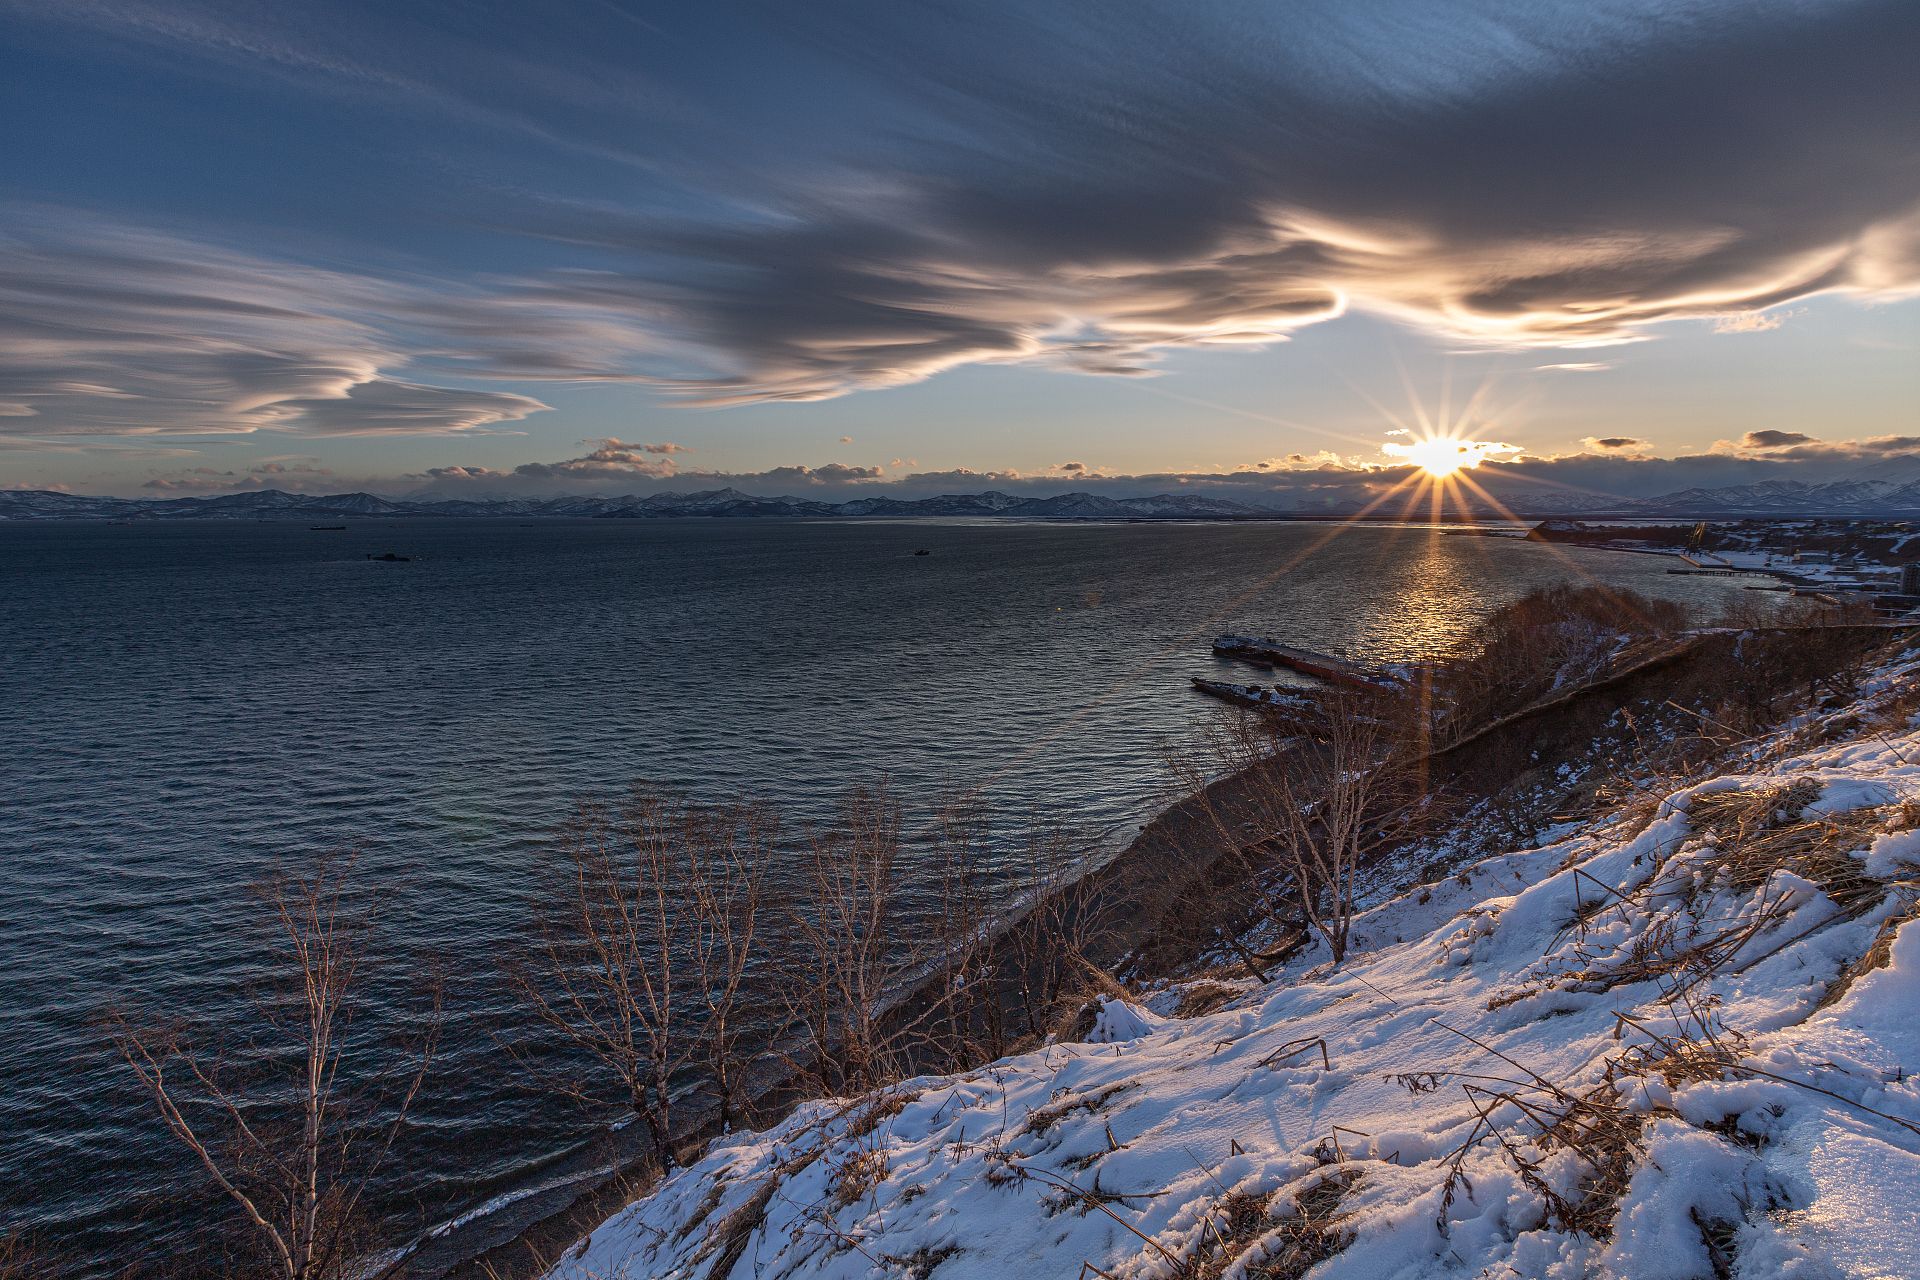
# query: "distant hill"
272, 504
1855, 497
1791, 497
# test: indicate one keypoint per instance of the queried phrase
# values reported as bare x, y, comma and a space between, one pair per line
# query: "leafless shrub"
844, 960
1045, 948
646, 926
959, 1020
20, 1260
278, 1128
1776, 670
1553, 638
1319, 807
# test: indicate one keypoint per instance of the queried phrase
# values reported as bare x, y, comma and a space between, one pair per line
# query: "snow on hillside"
1679, 1042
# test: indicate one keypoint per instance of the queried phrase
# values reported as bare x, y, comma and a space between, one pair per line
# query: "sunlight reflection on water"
186, 704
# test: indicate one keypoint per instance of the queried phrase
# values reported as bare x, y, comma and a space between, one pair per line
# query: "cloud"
1808, 454
110, 330
611, 457
1448, 452
1773, 439
846, 439
1608, 467
1084, 196
1616, 444
294, 474
1751, 322
1576, 366
1071, 467
382, 406
1506, 178
833, 473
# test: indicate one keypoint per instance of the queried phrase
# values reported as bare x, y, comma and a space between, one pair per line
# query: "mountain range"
1769, 498
273, 504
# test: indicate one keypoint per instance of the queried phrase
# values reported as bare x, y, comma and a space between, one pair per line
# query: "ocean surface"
185, 706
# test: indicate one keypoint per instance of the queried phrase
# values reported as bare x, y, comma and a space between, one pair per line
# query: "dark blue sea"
183, 706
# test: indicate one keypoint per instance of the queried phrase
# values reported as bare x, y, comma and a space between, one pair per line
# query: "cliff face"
1676, 1041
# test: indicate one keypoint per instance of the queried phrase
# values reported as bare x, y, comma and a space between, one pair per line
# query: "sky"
477, 249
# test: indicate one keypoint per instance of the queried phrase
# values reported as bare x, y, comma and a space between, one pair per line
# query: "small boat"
325, 528
389, 558
923, 552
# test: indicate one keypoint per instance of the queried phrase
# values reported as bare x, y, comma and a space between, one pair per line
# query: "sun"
1439, 456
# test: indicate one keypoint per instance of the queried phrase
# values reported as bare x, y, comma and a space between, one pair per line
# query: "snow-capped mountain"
274, 504
1898, 496
1791, 497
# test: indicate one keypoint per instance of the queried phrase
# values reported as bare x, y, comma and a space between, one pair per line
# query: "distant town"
1839, 561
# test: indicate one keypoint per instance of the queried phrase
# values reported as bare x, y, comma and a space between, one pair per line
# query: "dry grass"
1312, 1233
1764, 830
878, 1109
922, 1262
1877, 956
1202, 998
857, 1175
1042, 1118
1230, 1227
20, 1261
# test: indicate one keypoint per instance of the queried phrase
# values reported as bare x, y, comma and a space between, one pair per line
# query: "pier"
1322, 666
1253, 695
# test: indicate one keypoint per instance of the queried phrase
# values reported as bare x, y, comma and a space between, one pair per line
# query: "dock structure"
1252, 695
1322, 666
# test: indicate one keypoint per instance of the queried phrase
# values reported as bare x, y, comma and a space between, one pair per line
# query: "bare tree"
646, 924
1550, 639
958, 1019
843, 959
1046, 942
20, 1261
1317, 802
283, 1133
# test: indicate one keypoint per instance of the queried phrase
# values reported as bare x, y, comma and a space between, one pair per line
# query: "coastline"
575, 1190
1133, 897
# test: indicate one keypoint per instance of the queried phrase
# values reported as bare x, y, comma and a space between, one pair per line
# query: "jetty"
1322, 666
1253, 695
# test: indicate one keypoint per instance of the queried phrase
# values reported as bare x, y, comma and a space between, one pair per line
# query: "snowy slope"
1483, 1108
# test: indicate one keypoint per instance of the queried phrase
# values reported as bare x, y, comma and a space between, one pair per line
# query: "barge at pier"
1322, 666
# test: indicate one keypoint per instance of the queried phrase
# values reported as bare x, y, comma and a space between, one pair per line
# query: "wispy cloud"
1751, 322
112, 330
1065, 193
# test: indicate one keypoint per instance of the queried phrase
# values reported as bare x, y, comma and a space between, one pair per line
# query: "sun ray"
1183, 643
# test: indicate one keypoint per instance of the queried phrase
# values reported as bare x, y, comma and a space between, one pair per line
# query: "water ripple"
183, 706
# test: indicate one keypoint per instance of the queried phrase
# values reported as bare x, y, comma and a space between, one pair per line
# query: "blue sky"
492, 249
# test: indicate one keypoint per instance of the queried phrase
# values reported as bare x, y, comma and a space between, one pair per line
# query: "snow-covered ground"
1676, 1042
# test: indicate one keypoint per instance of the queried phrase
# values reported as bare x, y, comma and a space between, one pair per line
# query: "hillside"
1675, 1040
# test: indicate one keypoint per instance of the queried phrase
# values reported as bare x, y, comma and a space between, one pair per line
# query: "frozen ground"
1676, 1042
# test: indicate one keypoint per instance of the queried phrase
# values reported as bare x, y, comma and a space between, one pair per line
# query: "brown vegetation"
277, 1128
647, 920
